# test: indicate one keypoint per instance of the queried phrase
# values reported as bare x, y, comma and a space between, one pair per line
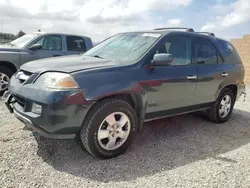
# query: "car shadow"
163, 145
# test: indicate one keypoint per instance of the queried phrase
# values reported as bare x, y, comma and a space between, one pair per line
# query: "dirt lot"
183, 151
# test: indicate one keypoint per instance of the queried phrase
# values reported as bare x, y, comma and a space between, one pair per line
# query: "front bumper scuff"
9, 101
39, 130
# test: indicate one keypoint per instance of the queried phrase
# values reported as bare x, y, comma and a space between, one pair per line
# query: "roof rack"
187, 29
208, 33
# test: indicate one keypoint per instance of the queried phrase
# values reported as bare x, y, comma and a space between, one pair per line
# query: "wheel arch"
135, 100
9, 65
232, 87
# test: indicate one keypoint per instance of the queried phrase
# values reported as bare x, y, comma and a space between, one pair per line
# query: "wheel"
222, 109
5, 75
109, 128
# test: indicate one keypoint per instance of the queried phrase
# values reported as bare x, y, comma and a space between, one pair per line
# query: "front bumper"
61, 117
39, 130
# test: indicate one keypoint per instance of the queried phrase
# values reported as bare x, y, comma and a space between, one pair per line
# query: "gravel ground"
182, 151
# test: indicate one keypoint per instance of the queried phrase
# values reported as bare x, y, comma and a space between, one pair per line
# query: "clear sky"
102, 18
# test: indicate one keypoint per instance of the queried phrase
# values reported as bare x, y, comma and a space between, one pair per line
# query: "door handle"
191, 77
201, 62
224, 74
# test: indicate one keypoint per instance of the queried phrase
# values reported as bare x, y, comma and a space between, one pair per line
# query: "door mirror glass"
162, 59
35, 47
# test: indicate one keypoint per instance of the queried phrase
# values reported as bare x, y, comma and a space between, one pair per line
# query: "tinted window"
225, 47
179, 47
75, 44
51, 42
204, 52
228, 52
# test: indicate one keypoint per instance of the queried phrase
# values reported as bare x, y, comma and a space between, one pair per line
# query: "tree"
20, 33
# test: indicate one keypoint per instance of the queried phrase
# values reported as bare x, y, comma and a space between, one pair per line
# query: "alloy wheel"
4, 80
225, 106
114, 131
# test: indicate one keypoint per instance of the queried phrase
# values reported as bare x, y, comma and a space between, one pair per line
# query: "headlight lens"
56, 80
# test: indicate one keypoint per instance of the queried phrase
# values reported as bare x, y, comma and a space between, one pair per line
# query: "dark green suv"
104, 96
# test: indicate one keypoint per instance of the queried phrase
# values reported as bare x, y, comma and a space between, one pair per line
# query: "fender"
223, 86
118, 82
138, 95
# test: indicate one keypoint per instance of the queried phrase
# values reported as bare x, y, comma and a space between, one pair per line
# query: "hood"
9, 48
67, 64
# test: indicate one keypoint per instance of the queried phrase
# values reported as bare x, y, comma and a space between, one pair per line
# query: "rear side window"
75, 43
204, 52
228, 52
224, 47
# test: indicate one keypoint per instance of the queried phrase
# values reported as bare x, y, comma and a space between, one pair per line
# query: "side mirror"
162, 59
35, 47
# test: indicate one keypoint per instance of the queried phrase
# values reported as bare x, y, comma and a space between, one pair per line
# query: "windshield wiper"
98, 56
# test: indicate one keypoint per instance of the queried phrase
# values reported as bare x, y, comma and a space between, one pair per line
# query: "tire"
214, 112
4, 71
95, 122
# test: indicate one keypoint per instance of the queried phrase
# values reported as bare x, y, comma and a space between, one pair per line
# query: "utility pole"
2, 26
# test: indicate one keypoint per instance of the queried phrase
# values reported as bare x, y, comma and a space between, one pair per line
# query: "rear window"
75, 43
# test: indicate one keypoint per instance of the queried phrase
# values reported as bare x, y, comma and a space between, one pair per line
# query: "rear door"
172, 87
211, 70
75, 45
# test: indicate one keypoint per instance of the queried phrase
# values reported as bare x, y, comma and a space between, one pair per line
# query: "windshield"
22, 41
124, 47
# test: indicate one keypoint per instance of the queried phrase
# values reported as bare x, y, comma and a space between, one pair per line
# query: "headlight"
56, 80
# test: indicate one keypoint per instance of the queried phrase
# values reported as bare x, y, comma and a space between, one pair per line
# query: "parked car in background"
37, 46
105, 95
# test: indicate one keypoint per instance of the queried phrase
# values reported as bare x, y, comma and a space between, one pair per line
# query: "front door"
51, 47
172, 87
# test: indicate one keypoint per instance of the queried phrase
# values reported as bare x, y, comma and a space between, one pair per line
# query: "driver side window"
179, 47
51, 42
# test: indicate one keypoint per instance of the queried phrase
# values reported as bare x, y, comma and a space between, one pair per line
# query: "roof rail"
208, 33
187, 29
